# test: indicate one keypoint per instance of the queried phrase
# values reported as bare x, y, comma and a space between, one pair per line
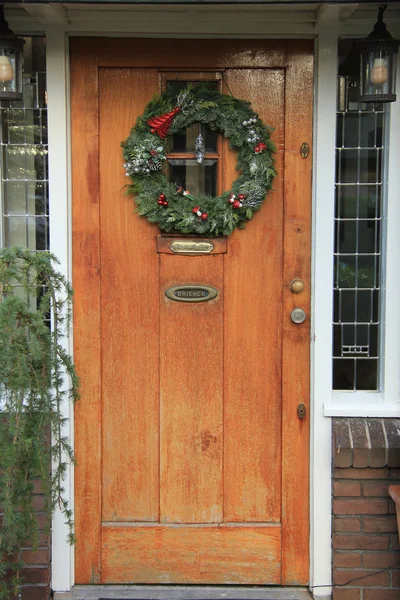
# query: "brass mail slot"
179, 246
191, 293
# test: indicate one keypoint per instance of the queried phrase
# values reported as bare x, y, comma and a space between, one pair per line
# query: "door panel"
252, 328
129, 316
191, 393
217, 555
192, 461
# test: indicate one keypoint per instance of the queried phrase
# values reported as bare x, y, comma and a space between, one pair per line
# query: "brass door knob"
297, 286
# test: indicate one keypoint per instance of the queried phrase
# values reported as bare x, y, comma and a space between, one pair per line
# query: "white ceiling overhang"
202, 18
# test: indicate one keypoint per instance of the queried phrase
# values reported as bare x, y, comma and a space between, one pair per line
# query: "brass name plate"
185, 246
191, 293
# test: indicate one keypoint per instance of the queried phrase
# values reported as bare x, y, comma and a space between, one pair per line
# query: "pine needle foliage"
36, 377
222, 113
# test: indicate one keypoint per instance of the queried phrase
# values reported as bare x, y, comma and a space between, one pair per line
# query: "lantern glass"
11, 70
378, 73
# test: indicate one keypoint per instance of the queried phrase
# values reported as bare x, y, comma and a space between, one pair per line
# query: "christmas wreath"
170, 205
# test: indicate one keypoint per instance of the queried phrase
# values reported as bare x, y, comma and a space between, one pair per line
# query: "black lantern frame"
11, 61
378, 64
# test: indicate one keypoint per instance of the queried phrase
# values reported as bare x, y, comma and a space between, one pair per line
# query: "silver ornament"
252, 132
200, 149
249, 140
244, 123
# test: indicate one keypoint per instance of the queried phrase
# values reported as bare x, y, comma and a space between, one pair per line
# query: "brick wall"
366, 556
36, 570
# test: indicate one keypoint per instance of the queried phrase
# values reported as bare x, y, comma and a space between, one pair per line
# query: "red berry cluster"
236, 202
196, 211
162, 200
260, 147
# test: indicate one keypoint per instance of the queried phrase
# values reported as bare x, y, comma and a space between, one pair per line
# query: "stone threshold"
149, 592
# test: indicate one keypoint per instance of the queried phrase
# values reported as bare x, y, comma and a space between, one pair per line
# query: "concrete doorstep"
146, 592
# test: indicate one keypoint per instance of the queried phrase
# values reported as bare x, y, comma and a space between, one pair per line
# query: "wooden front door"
192, 461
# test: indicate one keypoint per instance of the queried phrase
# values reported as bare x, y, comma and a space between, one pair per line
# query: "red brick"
396, 579
346, 594
392, 507
379, 524
35, 592
346, 559
394, 474
381, 594
379, 560
361, 578
394, 543
42, 521
360, 542
43, 541
346, 488
37, 486
36, 575
36, 557
378, 489
38, 503
360, 507
348, 525
352, 473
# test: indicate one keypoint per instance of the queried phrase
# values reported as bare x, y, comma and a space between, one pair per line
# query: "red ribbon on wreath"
162, 123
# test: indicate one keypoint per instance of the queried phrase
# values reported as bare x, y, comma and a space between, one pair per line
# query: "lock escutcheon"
298, 316
301, 411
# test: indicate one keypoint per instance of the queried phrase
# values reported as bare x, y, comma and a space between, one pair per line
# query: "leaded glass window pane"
183, 168
360, 157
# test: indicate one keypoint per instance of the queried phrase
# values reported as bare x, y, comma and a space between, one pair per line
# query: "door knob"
297, 286
298, 316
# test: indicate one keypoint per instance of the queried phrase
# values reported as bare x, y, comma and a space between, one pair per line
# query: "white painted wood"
385, 403
321, 335
60, 245
391, 381
47, 14
183, 21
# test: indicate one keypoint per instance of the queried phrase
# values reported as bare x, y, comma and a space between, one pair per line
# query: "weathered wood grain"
197, 555
129, 314
296, 338
233, 370
87, 304
191, 383
253, 329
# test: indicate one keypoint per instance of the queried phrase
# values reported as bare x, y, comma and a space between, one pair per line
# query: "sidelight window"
359, 214
24, 157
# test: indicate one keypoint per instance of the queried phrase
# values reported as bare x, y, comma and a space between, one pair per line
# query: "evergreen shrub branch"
36, 378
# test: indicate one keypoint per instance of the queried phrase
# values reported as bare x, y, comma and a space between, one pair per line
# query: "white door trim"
60, 245
321, 334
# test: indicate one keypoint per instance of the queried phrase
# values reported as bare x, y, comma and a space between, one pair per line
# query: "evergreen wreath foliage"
36, 377
174, 209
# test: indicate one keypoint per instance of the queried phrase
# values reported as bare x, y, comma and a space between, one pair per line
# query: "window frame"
384, 403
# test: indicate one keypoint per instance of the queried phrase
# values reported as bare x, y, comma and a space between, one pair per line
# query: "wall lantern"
11, 61
378, 64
